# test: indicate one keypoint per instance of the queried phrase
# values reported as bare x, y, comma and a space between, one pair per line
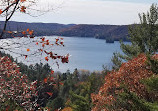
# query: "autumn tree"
22, 93
15, 86
124, 89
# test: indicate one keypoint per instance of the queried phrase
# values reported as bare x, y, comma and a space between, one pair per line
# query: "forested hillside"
40, 29
109, 32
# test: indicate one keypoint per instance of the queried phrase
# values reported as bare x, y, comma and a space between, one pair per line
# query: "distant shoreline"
110, 33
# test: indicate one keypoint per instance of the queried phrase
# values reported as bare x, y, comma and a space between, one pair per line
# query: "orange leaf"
27, 30
1, 11
23, 32
28, 50
46, 58
57, 40
23, 9
45, 80
31, 32
10, 32
22, 0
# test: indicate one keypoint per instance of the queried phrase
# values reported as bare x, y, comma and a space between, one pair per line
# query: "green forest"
131, 84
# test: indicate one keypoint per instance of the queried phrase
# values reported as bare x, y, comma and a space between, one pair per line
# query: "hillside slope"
109, 32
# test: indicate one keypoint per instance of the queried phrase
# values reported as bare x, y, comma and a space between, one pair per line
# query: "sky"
115, 12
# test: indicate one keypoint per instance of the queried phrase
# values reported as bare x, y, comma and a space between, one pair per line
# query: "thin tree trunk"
4, 28
8, 18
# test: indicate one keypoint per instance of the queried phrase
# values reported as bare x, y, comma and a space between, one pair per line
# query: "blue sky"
118, 12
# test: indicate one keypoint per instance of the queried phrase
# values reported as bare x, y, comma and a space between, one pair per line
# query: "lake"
85, 53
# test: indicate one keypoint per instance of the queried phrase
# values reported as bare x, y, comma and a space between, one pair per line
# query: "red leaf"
49, 93
43, 44
64, 60
58, 57
61, 43
25, 56
61, 83
43, 39
36, 43
47, 43
61, 38
52, 72
47, 40
41, 50
52, 78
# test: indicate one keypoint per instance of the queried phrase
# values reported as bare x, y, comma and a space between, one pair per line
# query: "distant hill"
109, 32
39, 28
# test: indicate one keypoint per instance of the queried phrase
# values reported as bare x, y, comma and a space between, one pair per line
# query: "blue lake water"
85, 53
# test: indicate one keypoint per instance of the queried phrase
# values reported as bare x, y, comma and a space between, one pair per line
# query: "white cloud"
89, 12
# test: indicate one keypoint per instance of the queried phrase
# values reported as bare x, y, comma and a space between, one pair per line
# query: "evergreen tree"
80, 98
143, 37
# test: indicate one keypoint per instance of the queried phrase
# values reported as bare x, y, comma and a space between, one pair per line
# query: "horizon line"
69, 23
